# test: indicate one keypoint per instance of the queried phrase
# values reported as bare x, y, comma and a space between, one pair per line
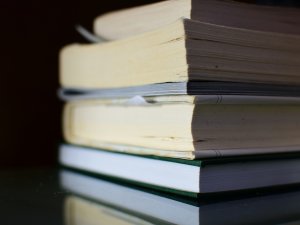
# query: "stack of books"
186, 96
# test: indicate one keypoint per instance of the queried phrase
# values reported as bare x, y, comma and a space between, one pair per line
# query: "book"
213, 90
183, 51
186, 177
127, 22
186, 127
99, 197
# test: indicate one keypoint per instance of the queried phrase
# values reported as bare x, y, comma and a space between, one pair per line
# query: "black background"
32, 33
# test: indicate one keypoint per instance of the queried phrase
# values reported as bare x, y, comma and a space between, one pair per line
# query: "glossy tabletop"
36, 197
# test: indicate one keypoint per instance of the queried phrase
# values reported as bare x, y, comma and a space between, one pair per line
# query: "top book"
127, 22
235, 42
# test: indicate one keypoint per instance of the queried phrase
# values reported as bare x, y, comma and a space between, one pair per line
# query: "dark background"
32, 32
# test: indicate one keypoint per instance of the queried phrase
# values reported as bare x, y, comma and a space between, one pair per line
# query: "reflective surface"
50, 196
31, 197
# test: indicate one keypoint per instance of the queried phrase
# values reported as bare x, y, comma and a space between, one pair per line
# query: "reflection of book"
132, 21
265, 209
188, 177
78, 211
182, 127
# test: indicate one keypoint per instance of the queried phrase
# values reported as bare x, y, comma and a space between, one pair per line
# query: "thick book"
185, 126
186, 177
127, 22
95, 200
184, 51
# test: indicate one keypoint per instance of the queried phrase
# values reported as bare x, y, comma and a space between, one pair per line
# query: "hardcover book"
186, 177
